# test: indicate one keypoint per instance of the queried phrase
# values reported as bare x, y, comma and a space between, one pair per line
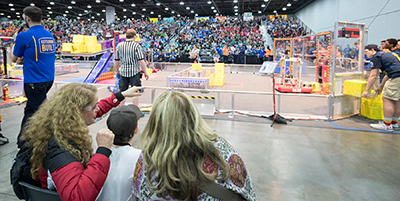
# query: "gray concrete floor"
286, 162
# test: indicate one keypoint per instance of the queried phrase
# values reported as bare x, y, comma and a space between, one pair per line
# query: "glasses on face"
91, 108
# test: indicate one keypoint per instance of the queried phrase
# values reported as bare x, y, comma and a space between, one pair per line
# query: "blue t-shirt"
38, 48
387, 62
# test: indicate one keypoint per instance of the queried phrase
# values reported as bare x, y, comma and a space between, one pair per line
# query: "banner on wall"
247, 16
221, 18
110, 14
202, 19
154, 20
280, 16
168, 19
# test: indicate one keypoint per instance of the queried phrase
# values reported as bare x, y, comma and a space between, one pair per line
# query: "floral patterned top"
239, 180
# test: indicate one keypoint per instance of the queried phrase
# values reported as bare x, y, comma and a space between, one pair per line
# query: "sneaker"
396, 128
382, 127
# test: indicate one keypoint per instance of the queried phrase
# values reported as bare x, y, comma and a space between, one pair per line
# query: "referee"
129, 59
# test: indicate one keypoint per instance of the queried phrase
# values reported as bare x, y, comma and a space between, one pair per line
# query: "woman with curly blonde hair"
181, 156
58, 136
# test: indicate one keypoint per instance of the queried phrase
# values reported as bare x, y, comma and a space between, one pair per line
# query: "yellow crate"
78, 39
15, 73
78, 48
372, 107
354, 87
211, 81
93, 48
67, 47
90, 40
196, 66
149, 71
219, 67
208, 73
219, 74
218, 82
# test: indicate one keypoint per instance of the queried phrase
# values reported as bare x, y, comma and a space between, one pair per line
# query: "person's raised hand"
132, 92
105, 138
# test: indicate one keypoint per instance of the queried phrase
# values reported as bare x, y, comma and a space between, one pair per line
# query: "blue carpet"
78, 79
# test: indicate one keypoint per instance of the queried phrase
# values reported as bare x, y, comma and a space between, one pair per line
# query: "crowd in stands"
281, 27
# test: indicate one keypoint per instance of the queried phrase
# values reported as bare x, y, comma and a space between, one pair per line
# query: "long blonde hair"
176, 142
60, 117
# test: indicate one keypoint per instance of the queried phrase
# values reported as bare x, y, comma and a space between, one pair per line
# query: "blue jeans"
36, 93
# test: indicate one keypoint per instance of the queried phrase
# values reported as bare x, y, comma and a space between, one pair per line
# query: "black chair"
34, 193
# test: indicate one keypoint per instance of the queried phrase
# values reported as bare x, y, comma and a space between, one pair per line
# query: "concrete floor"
287, 162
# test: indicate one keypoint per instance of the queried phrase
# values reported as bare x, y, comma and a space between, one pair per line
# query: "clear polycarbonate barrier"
282, 48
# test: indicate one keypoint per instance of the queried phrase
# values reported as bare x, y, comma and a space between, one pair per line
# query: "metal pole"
233, 106
330, 107
218, 102
279, 102
153, 93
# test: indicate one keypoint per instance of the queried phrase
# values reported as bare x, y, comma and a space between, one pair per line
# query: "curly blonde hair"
60, 117
176, 143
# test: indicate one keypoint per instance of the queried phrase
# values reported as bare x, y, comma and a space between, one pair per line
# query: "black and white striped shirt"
129, 53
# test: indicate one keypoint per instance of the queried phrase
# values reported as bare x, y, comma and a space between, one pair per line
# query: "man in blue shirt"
260, 54
242, 50
36, 47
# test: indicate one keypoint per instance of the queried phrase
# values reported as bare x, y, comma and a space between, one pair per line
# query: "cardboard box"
354, 87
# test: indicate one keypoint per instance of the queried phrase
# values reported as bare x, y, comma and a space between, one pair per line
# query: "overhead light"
48, 8
69, 7
78, 18
85, 11
263, 5
235, 1
166, 8
212, 8
192, 11
151, 12
172, 12
158, 4
217, 14
32, 4
48, 15
134, 13
17, 13
209, 2
80, 14
102, 19
274, 11
1, 13
196, 15
103, 11
89, 6
73, 2
65, 15
11, 4
12, 9
235, 7
50, 12
66, 11
133, 5
187, 8
97, 1
214, 11
236, 10
259, 11
178, 15
98, 14
121, 0
181, 3
124, 16
266, 0
124, 10
51, 3
142, 16
289, 4
236, 14
283, 8
9, 16
144, 9
159, 15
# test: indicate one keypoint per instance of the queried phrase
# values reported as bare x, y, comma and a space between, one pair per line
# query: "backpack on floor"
21, 171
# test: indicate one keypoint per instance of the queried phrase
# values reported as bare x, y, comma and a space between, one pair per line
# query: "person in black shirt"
389, 63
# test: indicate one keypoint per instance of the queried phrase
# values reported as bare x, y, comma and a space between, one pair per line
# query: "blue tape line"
360, 129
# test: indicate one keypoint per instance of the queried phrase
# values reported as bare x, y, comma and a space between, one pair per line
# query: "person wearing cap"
389, 63
58, 134
123, 122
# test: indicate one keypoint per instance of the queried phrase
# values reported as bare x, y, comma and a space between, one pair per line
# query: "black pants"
241, 58
36, 93
125, 81
225, 59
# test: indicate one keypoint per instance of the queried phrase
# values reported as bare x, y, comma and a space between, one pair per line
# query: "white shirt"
119, 182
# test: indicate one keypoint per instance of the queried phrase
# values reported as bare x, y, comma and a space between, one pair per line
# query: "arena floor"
304, 160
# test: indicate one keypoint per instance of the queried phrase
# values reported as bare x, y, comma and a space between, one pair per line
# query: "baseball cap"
123, 120
372, 47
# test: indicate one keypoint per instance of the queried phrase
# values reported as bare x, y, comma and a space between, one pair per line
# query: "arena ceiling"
95, 9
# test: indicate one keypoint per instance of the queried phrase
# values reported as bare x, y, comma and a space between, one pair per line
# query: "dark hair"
384, 41
121, 139
34, 13
392, 41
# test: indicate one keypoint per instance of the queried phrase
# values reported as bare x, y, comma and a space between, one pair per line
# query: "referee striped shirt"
129, 53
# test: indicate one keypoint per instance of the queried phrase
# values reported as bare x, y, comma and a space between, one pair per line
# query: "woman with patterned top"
181, 152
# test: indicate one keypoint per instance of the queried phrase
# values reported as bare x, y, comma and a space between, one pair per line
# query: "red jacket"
72, 179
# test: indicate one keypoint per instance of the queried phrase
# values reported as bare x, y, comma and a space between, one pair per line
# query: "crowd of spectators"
281, 27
